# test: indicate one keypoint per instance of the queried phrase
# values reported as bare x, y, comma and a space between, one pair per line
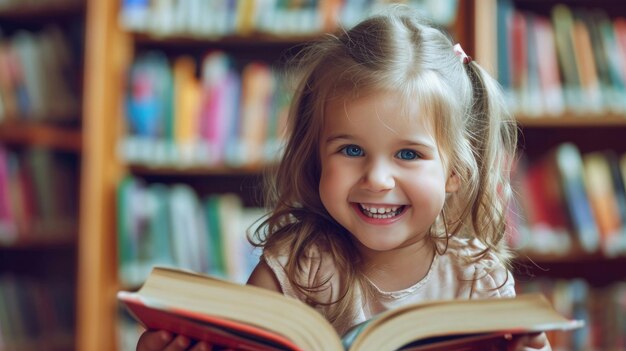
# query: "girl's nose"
379, 177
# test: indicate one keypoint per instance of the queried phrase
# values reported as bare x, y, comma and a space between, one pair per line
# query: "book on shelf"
603, 198
592, 19
187, 94
619, 26
545, 208
188, 231
519, 60
563, 22
548, 67
571, 172
504, 49
586, 64
257, 88
618, 176
214, 226
614, 60
217, 104
251, 318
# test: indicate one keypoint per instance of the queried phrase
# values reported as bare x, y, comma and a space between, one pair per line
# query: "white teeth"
379, 212
379, 209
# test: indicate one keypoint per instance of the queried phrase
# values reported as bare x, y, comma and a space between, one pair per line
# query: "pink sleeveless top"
449, 277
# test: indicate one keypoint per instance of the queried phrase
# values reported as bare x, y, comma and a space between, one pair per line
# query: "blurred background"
135, 133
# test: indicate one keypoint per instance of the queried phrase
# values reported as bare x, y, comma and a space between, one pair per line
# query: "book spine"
603, 201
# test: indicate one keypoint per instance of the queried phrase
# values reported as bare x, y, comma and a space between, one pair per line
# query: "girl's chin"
378, 245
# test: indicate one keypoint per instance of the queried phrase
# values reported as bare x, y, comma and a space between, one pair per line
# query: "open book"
250, 318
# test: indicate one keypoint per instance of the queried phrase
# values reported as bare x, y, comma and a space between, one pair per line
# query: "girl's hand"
161, 340
529, 342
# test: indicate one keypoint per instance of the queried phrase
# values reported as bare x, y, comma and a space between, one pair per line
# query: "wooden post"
107, 53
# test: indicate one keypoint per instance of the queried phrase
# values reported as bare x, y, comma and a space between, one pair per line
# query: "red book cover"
219, 331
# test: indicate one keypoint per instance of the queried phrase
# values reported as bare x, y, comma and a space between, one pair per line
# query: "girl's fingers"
529, 342
154, 340
537, 341
180, 343
162, 340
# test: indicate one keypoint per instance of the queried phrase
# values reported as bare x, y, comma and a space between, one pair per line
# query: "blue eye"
407, 154
352, 151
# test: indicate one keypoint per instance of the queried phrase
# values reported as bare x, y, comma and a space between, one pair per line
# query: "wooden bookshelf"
42, 153
39, 134
109, 52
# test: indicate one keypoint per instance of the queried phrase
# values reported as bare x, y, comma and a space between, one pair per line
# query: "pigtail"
493, 141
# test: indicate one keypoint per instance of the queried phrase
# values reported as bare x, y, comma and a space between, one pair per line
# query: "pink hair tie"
458, 51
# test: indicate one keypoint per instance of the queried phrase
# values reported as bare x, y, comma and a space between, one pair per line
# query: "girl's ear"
453, 183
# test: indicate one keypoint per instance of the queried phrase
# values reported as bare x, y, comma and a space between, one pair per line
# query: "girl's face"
382, 175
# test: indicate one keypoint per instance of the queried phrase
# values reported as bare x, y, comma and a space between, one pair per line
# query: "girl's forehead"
377, 121
389, 107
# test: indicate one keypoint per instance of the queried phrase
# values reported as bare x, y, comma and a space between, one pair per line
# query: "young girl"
394, 183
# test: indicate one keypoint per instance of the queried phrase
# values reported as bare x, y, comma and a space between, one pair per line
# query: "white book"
187, 239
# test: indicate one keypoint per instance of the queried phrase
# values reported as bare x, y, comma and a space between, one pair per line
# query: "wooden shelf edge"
572, 121
174, 171
38, 243
595, 269
37, 134
34, 12
255, 39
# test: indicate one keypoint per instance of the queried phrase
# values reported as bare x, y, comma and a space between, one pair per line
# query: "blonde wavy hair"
399, 51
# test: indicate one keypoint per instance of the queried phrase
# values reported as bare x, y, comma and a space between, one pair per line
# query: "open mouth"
381, 212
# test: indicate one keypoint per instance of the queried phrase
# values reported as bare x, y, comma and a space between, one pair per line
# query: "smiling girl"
394, 183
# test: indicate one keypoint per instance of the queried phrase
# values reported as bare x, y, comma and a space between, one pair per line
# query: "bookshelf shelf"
573, 121
253, 40
195, 171
572, 267
41, 241
36, 134
37, 13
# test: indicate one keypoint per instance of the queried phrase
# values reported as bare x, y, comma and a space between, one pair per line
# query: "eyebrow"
418, 144
338, 136
406, 142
